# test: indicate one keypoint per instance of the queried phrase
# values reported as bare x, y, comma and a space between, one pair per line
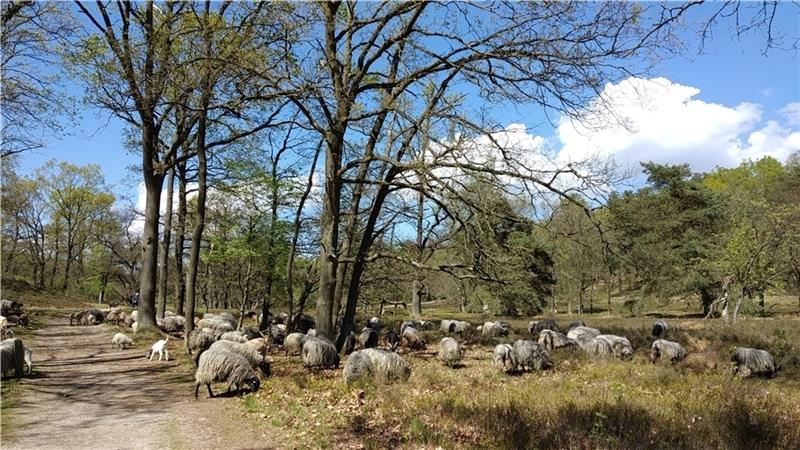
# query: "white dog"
161, 348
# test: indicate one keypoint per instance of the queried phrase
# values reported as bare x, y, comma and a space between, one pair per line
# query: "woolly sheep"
4, 322
446, 326
121, 340
319, 354
374, 323
256, 359
411, 339
384, 365
113, 316
135, 327
391, 339
583, 335
665, 350
312, 332
529, 355
460, 326
536, 326
161, 348
419, 325
700, 362
748, 362
293, 344
220, 366
553, 340
97, 316
575, 324
251, 333
173, 324
259, 344
610, 345
199, 341
233, 336
494, 329
388, 366
278, 333
368, 338
357, 366
280, 319
450, 352
7, 356
660, 328
134, 315
76, 317
503, 358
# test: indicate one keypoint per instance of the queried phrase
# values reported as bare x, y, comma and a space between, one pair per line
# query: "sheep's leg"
166, 355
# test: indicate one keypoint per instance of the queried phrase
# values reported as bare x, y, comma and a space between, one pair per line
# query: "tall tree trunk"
153, 183
197, 233
329, 238
180, 237
163, 266
296, 235
417, 286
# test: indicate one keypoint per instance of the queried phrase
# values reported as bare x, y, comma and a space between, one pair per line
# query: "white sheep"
161, 348
121, 340
7, 358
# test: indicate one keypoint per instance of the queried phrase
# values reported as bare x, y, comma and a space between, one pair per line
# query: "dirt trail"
85, 395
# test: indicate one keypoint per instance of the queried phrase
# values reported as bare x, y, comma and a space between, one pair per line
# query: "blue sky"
729, 103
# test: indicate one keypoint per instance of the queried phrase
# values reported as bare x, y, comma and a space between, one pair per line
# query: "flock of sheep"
226, 353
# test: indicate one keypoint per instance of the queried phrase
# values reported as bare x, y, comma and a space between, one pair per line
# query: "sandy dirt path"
86, 395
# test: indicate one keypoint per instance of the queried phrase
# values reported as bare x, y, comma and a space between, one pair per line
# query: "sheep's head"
654, 354
252, 382
264, 367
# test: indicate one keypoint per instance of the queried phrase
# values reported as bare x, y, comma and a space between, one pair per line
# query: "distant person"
135, 300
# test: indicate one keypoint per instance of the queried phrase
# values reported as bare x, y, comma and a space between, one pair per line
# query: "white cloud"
657, 119
792, 113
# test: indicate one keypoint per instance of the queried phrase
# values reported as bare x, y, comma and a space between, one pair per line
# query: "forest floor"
84, 394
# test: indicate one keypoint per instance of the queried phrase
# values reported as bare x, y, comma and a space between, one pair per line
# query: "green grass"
582, 403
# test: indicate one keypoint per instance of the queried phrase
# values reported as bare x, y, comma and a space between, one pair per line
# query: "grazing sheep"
129, 320
256, 359
76, 317
357, 366
387, 366
161, 348
374, 323
391, 340
748, 362
134, 315
412, 340
660, 328
199, 341
529, 355
667, 351
447, 326
450, 352
277, 333
406, 324
96, 316
553, 340
575, 324
114, 316
350, 343
368, 338
7, 356
303, 323
280, 319
536, 326
700, 362
233, 336
503, 358
610, 345
319, 354
494, 329
293, 344
460, 326
220, 366
251, 333
583, 335
121, 340
173, 324
259, 344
